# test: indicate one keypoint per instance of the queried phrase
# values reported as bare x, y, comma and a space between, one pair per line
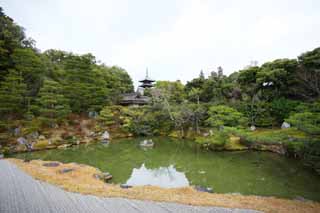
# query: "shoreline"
81, 180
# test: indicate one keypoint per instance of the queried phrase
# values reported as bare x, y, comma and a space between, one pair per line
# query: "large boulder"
105, 135
22, 140
285, 125
253, 128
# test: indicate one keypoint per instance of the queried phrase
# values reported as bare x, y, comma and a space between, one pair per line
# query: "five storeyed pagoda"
137, 98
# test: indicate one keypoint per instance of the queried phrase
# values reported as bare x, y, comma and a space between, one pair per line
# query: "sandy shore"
82, 180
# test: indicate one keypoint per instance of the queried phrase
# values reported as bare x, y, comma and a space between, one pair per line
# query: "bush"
221, 115
216, 141
308, 122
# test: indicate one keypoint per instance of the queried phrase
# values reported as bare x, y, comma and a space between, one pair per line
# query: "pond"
178, 163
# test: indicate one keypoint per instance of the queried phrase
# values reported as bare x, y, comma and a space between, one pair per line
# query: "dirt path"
20, 192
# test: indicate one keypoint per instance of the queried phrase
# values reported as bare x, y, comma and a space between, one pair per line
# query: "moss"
234, 144
41, 144
82, 180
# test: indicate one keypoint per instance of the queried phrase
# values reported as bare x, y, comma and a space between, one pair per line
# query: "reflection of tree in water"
162, 176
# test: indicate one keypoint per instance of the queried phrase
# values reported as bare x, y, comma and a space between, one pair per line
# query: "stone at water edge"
253, 128
105, 135
125, 186
42, 137
285, 125
1, 156
203, 189
106, 176
16, 131
22, 141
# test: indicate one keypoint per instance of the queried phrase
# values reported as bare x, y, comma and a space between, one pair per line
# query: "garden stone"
203, 189
105, 141
33, 135
66, 170
105, 135
22, 140
285, 125
253, 128
42, 137
16, 131
106, 176
51, 164
125, 186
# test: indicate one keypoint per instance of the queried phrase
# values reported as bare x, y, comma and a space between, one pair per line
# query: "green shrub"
308, 122
221, 115
216, 141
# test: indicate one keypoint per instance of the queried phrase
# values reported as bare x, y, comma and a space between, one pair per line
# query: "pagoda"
138, 98
147, 82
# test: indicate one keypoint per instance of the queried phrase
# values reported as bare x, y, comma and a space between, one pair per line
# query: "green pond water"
177, 163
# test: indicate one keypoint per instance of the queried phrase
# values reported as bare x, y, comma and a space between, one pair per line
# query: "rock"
210, 132
221, 128
253, 128
106, 176
42, 137
51, 164
147, 143
64, 146
22, 141
285, 125
125, 186
206, 134
203, 189
302, 199
26, 160
92, 114
33, 135
16, 131
1, 156
66, 170
105, 136
105, 141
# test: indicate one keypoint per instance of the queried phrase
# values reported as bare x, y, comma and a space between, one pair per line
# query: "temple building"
138, 98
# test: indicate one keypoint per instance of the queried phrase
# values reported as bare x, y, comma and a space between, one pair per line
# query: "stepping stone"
51, 164
203, 189
125, 186
66, 170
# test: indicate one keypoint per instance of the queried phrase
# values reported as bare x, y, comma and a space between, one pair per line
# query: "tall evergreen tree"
53, 106
12, 94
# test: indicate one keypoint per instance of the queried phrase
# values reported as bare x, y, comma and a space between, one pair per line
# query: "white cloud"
175, 39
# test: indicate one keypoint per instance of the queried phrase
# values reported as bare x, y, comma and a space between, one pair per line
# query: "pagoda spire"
147, 82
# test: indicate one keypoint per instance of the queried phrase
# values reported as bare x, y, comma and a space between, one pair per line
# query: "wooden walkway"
20, 193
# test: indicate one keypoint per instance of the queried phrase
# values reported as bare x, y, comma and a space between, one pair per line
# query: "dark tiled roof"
134, 98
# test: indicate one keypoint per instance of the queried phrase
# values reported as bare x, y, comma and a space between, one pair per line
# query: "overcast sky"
175, 39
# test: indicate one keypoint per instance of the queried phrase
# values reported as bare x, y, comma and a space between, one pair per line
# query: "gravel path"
20, 193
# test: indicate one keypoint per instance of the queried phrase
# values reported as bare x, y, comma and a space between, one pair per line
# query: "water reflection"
167, 177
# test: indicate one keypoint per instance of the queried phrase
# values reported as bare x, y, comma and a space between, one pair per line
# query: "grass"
81, 180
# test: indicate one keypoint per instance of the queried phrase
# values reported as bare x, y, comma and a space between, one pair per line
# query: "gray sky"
175, 39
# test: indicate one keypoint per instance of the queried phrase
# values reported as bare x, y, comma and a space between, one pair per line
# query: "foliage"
12, 94
224, 116
308, 122
53, 106
215, 141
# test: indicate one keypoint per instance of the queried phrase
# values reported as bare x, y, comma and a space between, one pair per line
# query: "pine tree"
53, 106
12, 94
